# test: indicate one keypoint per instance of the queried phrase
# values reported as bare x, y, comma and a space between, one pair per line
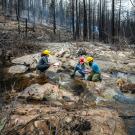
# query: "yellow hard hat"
46, 52
89, 59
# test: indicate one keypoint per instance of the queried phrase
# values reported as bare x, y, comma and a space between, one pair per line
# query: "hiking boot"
100, 79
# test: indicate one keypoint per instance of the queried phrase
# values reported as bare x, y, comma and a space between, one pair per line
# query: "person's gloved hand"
87, 71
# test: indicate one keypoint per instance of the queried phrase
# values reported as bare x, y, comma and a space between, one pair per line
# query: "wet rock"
109, 93
123, 99
105, 76
18, 69
128, 88
125, 86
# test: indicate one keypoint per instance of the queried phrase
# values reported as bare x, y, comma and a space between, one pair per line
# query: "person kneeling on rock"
43, 63
80, 67
95, 74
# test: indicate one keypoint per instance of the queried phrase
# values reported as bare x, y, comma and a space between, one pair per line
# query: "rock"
18, 69
132, 65
68, 119
124, 99
100, 100
109, 93
88, 121
121, 55
28, 60
67, 55
39, 92
31, 75
72, 62
52, 73
53, 59
106, 65
104, 55
105, 76
128, 88
47, 92
61, 53
32, 60
124, 86
100, 118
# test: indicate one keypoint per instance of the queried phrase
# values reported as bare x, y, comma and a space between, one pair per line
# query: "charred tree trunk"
84, 22
4, 3
100, 20
10, 7
103, 20
119, 23
54, 17
77, 21
112, 22
73, 21
93, 30
89, 19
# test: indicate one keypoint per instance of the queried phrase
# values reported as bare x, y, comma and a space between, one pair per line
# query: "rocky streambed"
36, 104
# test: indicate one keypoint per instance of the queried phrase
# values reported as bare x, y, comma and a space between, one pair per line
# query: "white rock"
32, 60
18, 69
33, 74
72, 62
39, 92
28, 59
131, 65
53, 59
121, 55
67, 55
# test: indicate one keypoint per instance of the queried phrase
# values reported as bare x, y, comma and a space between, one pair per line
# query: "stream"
125, 103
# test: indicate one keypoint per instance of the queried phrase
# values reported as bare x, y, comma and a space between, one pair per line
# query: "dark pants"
79, 70
42, 68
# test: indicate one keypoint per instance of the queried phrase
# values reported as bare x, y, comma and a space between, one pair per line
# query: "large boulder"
47, 92
39, 92
132, 65
18, 69
52, 72
30, 60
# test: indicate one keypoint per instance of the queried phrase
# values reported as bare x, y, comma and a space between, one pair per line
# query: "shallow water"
126, 103
131, 125
128, 76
